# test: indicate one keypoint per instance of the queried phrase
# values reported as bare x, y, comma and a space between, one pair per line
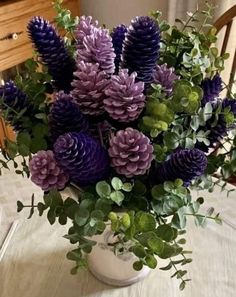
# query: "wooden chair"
226, 20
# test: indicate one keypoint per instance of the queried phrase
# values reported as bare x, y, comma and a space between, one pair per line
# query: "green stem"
199, 215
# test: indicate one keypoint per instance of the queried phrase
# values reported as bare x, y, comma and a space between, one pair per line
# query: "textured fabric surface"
34, 266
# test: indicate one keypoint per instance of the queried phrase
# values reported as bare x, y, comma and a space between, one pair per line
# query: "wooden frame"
227, 20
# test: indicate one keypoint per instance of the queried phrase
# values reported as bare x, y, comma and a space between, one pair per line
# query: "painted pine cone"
65, 116
141, 47
118, 36
131, 152
53, 52
82, 157
165, 77
125, 99
98, 48
211, 88
186, 164
85, 28
45, 172
14, 99
218, 129
89, 88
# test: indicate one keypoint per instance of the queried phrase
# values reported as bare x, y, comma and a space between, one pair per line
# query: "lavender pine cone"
98, 48
131, 152
141, 47
65, 116
125, 99
186, 164
89, 88
53, 52
82, 157
211, 88
118, 36
45, 172
165, 77
85, 28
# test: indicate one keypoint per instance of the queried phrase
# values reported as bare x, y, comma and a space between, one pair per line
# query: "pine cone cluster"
211, 88
186, 164
14, 101
218, 127
131, 152
97, 48
82, 157
141, 47
89, 88
165, 77
65, 116
45, 172
125, 99
52, 50
118, 36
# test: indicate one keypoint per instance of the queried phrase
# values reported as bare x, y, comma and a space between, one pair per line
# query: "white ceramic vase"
110, 268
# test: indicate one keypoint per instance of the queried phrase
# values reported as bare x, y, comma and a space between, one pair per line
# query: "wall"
113, 12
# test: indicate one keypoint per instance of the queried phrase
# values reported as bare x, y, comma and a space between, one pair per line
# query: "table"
34, 264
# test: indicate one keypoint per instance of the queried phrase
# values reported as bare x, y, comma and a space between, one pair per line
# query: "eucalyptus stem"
199, 215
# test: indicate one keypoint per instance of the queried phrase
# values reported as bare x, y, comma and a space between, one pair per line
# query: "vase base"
120, 282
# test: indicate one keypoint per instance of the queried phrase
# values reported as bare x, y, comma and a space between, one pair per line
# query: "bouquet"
134, 118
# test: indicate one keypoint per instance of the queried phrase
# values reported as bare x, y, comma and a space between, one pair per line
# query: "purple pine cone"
125, 99
89, 88
186, 164
118, 36
82, 157
65, 116
85, 27
141, 47
14, 99
53, 52
131, 152
219, 129
98, 48
45, 172
165, 77
211, 88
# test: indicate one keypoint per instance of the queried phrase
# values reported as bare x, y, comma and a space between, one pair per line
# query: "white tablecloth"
34, 264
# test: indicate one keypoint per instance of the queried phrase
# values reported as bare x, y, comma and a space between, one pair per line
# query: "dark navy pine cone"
186, 164
65, 116
211, 88
82, 158
141, 47
118, 36
53, 52
218, 131
15, 99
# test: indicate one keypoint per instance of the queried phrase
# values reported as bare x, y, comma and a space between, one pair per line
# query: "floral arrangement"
134, 118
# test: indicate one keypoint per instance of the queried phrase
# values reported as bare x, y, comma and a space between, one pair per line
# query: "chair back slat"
232, 73
227, 20
226, 37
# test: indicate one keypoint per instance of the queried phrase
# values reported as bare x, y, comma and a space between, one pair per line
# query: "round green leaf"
116, 183
166, 232
138, 265
117, 197
145, 222
103, 189
151, 261
139, 251
156, 244
81, 217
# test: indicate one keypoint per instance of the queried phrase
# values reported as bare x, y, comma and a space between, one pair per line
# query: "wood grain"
14, 17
